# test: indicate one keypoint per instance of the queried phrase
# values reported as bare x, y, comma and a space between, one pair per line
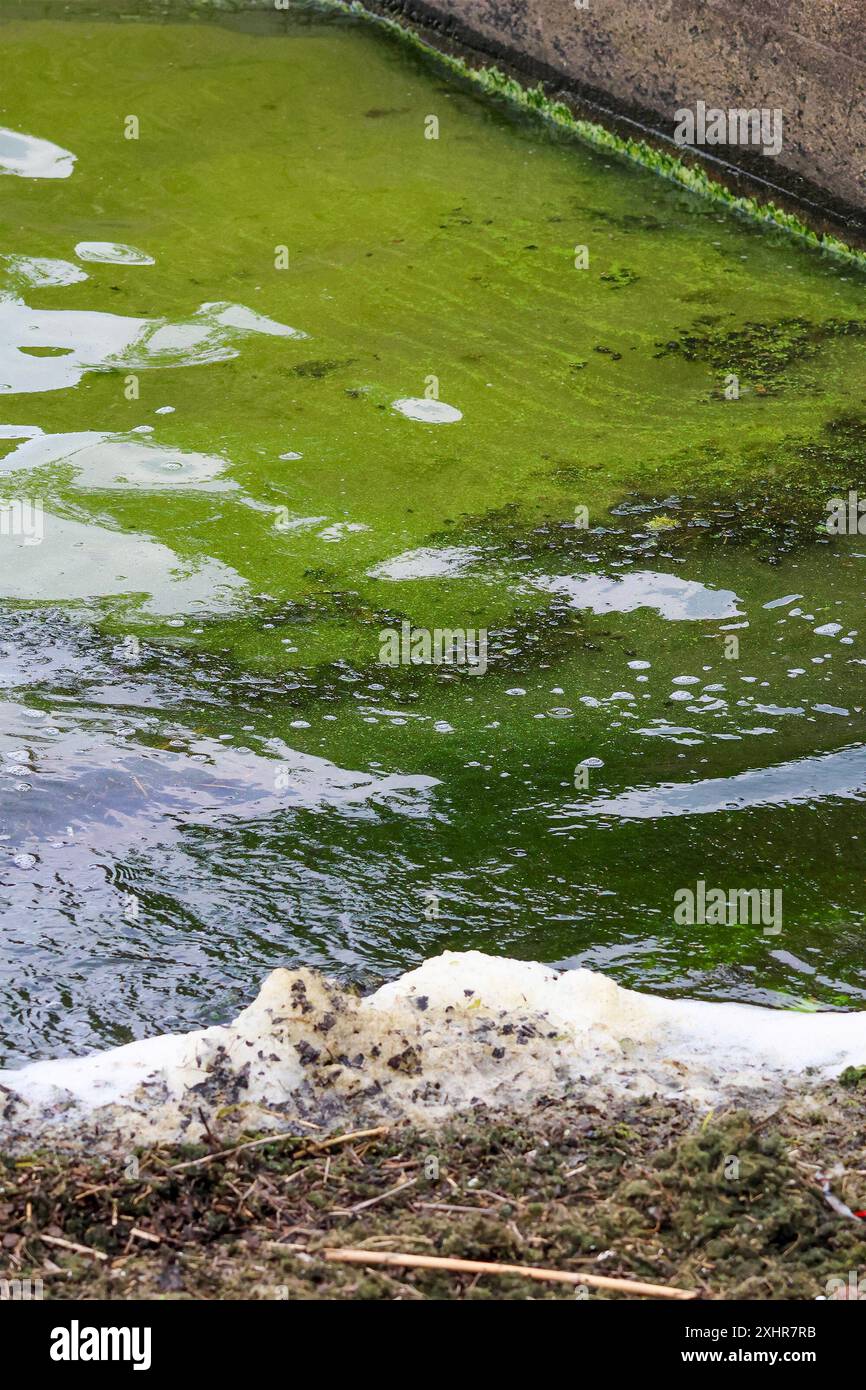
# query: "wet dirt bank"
730, 1206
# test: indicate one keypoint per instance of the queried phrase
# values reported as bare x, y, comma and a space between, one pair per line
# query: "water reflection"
29, 157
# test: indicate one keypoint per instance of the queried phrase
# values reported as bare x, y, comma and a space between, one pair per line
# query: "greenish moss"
618, 277
759, 353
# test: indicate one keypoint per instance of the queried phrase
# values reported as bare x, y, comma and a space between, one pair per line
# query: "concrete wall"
807, 57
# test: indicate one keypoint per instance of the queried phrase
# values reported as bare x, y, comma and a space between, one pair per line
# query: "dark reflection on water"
150, 872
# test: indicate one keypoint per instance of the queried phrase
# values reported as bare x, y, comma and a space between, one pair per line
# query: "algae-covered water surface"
309, 355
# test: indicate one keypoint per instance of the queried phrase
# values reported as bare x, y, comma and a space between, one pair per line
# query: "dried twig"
452, 1206
145, 1235
71, 1245
227, 1153
371, 1201
89, 1191
316, 1147
319, 1144
559, 1276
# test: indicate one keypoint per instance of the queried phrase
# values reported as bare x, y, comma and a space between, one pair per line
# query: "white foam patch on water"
426, 563
340, 530
839, 775
782, 602
116, 462
81, 341
428, 412
20, 431
463, 1029
674, 598
247, 320
77, 561
295, 523
29, 157
112, 253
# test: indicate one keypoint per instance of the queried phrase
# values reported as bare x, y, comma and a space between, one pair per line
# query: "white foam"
85, 340
426, 562
462, 1029
247, 320
112, 253
77, 561
116, 462
340, 529
42, 271
428, 412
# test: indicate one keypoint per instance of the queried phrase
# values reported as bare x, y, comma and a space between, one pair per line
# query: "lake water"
280, 374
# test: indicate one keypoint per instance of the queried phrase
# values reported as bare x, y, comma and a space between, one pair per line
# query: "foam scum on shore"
462, 1031
475, 1108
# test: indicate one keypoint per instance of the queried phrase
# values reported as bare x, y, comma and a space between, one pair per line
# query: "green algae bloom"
287, 365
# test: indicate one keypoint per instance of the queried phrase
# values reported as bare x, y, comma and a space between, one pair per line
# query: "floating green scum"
322, 365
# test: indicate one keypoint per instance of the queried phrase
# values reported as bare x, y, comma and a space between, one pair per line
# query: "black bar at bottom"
263, 1338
